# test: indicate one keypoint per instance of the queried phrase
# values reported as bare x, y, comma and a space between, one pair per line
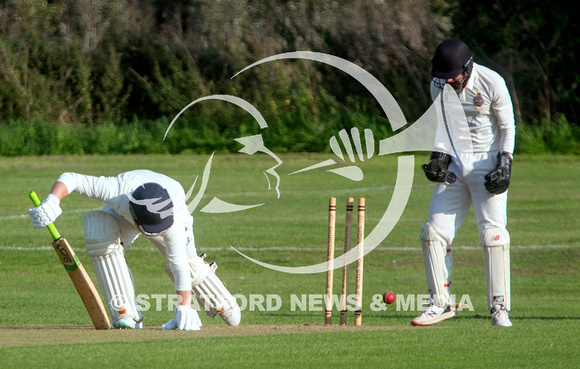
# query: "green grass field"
43, 322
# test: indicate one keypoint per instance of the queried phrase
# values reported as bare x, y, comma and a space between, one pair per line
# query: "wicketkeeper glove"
46, 213
498, 180
436, 169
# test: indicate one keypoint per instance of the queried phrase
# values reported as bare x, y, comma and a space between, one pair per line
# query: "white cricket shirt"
488, 108
114, 192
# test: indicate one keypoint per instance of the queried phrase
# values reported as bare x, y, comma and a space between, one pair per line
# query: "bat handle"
51, 227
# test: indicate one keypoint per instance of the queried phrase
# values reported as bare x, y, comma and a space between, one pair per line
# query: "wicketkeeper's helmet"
452, 57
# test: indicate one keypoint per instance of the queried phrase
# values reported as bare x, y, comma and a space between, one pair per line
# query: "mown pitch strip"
32, 335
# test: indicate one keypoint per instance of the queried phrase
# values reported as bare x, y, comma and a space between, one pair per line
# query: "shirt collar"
472, 78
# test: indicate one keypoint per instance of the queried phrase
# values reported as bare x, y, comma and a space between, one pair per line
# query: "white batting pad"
496, 250
210, 292
103, 242
438, 264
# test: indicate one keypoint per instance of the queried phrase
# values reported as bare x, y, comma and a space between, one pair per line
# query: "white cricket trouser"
449, 206
451, 202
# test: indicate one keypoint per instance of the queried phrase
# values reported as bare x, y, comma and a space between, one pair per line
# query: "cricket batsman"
141, 202
481, 179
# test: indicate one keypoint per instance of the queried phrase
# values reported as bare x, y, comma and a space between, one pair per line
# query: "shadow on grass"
480, 317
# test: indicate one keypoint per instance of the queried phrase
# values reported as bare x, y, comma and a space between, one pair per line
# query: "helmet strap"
467, 69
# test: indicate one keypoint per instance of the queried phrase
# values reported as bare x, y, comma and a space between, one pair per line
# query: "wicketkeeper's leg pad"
103, 242
496, 249
210, 292
438, 264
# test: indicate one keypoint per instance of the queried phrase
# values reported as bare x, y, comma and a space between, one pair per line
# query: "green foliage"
107, 61
555, 137
42, 138
531, 43
108, 90
291, 128
121, 68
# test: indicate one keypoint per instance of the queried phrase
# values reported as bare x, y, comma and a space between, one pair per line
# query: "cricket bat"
78, 275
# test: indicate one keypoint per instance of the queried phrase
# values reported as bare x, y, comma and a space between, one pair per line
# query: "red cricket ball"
389, 297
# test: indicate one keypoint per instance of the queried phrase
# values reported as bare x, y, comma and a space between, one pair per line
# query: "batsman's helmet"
452, 57
151, 208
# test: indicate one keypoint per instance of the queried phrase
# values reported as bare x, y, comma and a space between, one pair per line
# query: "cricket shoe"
434, 314
500, 317
232, 316
127, 322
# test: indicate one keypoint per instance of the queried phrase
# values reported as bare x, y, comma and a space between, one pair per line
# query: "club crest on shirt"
478, 100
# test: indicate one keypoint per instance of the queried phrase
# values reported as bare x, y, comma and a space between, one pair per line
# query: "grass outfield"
43, 323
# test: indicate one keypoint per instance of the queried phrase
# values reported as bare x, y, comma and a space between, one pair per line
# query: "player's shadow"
516, 317
478, 317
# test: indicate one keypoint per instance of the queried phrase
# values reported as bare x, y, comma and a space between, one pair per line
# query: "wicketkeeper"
142, 202
481, 179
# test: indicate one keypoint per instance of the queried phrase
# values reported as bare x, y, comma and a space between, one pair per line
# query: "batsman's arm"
59, 189
184, 297
78, 275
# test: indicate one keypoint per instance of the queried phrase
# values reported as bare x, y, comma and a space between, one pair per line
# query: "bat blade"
83, 284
